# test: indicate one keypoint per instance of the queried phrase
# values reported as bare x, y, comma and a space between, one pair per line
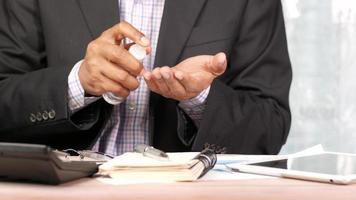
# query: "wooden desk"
273, 189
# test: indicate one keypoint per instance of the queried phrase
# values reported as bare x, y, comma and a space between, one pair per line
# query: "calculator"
43, 164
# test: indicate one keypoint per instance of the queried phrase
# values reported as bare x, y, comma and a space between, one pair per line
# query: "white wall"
322, 45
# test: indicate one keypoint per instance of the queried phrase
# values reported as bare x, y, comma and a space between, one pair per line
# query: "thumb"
217, 64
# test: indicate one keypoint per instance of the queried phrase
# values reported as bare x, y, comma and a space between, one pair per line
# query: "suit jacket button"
52, 114
45, 115
33, 118
39, 116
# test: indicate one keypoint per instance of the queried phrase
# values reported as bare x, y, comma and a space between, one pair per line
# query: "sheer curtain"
322, 45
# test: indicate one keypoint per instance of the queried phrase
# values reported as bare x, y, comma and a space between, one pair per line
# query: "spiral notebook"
179, 167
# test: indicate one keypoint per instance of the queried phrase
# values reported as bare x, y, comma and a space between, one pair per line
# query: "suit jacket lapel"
99, 15
178, 19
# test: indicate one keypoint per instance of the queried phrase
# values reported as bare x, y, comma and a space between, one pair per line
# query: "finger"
126, 30
160, 82
148, 50
121, 57
109, 85
120, 76
185, 81
217, 64
175, 88
150, 82
178, 75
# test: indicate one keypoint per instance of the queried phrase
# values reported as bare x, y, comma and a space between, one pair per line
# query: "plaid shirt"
128, 124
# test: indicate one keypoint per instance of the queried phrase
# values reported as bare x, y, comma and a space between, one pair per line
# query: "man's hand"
187, 79
108, 66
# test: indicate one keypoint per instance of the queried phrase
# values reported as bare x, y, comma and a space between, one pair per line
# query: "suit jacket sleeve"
247, 108
33, 98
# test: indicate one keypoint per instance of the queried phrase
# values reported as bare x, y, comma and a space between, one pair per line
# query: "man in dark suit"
246, 109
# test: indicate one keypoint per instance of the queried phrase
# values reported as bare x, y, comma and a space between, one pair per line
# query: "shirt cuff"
76, 98
195, 107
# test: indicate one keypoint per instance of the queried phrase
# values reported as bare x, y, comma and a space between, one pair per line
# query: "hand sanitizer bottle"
137, 51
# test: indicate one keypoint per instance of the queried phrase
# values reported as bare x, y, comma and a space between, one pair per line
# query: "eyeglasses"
97, 156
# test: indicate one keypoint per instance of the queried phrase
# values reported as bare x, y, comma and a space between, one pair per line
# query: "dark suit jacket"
247, 108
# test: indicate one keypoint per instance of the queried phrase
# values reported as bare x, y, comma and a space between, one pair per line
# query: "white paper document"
221, 172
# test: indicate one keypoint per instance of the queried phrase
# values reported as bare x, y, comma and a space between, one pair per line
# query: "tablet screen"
327, 163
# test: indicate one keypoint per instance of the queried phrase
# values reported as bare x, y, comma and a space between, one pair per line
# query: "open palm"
197, 73
187, 79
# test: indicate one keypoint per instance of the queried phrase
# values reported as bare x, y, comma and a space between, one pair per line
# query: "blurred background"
322, 46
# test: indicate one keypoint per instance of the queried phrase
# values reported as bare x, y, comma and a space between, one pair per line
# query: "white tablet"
328, 167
